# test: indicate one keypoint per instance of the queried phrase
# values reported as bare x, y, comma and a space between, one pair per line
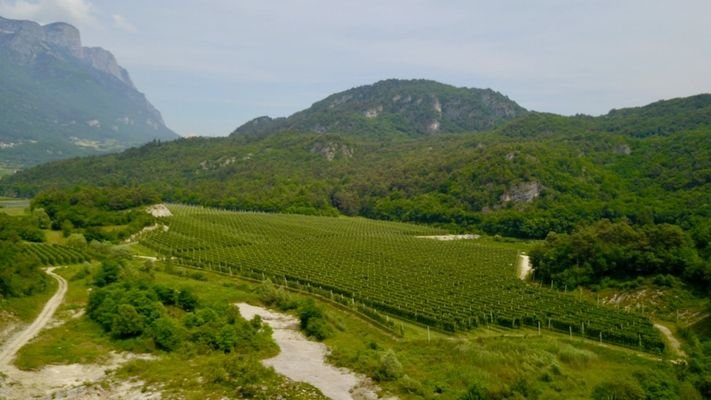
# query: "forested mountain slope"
534, 174
59, 99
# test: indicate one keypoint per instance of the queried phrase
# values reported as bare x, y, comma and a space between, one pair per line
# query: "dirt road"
12, 346
674, 342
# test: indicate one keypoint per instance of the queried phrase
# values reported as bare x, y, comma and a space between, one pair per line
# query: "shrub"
475, 392
108, 273
127, 322
390, 368
618, 390
166, 334
187, 300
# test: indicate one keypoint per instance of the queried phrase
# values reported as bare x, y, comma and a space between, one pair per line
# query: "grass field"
385, 268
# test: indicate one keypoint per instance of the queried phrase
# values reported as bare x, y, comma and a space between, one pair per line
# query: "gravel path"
676, 346
12, 346
303, 360
525, 266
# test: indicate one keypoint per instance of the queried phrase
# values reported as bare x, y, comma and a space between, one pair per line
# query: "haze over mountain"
59, 99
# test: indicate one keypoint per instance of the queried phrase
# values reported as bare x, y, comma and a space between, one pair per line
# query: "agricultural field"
386, 269
14, 207
53, 254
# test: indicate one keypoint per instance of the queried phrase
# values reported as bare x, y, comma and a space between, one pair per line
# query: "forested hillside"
535, 174
394, 106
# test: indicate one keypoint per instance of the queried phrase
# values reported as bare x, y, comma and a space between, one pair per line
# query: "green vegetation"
19, 272
52, 254
620, 251
172, 320
207, 352
535, 174
54, 105
400, 107
451, 285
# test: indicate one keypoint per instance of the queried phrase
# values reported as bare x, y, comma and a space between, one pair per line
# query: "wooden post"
600, 336
570, 328
539, 328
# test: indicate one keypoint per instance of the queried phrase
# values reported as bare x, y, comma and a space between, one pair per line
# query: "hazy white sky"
211, 65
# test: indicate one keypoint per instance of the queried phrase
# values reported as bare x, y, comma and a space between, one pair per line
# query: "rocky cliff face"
59, 99
30, 40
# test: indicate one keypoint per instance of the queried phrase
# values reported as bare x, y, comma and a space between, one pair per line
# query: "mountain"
531, 175
411, 107
59, 99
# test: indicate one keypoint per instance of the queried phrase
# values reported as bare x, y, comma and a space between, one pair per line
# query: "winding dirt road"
14, 344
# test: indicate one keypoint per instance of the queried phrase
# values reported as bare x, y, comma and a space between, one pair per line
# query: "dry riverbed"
303, 360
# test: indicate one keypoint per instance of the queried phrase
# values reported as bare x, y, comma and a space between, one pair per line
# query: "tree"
166, 334
127, 322
108, 273
187, 300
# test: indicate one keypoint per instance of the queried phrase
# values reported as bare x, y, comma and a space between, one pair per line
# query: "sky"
211, 65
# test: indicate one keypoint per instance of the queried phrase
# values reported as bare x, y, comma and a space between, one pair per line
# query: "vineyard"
52, 254
383, 268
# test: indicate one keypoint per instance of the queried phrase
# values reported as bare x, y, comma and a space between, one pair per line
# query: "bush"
475, 392
313, 321
390, 368
187, 300
411, 386
618, 390
108, 273
166, 334
127, 322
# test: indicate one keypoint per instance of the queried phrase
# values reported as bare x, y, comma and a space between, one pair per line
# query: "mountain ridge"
412, 107
531, 175
59, 99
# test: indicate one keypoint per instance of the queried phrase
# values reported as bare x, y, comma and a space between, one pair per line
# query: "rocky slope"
59, 99
411, 107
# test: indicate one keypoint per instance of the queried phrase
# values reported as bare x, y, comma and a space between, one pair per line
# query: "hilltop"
409, 107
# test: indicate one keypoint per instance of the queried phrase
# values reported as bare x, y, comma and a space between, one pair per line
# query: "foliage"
19, 272
54, 105
376, 267
313, 321
586, 169
128, 308
619, 251
475, 392
108, 273
618, 390
390, 368
395, 106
